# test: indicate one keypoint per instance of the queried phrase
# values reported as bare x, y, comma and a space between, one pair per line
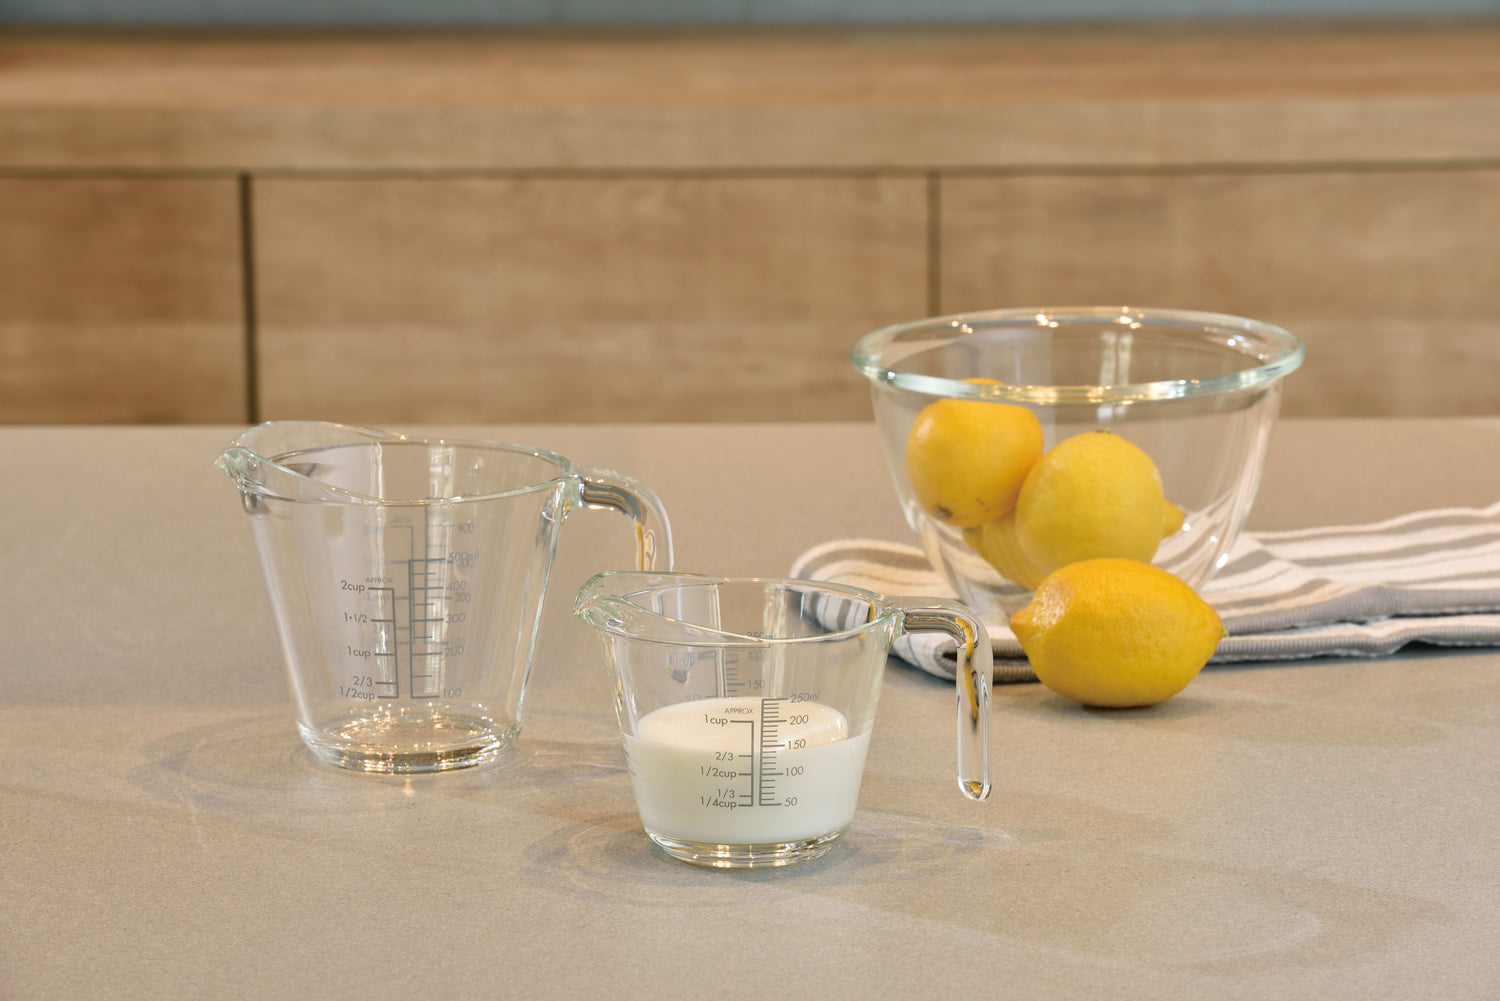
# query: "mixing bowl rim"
1286, 354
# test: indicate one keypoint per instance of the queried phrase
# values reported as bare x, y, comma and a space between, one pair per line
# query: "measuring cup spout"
258, 477
286, 459
653, 607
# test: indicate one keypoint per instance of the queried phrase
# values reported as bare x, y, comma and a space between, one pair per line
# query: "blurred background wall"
548, 211
680, 12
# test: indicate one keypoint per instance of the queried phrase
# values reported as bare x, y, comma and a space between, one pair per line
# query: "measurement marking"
413, 642
418, 610
393, 685
389, 660
729, 681
770, 745
748, 796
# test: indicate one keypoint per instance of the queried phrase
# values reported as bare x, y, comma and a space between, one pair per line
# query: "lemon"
1093, 495
966, 459
996, 541
1116, 633
1172, 520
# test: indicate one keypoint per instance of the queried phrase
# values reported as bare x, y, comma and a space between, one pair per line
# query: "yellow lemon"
1116, 633
1093, 495
996, 541
1172, 520
967, 459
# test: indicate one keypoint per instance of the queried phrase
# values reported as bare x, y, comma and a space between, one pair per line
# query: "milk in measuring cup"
745, 770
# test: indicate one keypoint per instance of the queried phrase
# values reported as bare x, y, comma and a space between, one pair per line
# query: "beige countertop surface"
1315, 830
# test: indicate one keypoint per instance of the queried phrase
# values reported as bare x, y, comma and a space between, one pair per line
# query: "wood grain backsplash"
697, 227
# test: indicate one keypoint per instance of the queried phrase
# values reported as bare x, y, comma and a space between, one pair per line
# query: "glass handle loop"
605, 490
975, 663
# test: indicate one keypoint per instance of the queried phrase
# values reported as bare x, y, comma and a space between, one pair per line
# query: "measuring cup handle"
972, 676
603, 489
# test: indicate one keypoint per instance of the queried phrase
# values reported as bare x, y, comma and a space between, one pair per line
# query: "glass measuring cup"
406, 576
745, 705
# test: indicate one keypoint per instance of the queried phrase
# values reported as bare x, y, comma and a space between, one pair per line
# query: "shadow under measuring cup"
407, 575
746, 705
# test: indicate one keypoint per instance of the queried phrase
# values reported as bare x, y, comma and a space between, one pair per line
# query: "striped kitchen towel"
1347, 590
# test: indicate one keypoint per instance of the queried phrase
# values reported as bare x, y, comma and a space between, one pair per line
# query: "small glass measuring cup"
406, 576
745, 705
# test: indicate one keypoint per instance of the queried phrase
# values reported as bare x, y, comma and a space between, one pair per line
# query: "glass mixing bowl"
1198, 392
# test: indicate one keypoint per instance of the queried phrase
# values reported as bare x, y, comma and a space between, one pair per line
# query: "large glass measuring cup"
746, 705
406, 577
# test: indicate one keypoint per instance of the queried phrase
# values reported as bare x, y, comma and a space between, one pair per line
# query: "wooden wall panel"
1100, 95
696, 227
1390, 277
622, 299
120, 301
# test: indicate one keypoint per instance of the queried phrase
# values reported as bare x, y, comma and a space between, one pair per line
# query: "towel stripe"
1342, 590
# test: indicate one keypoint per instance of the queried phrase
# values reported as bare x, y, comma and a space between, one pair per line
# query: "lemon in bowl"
966, 460
1154, 426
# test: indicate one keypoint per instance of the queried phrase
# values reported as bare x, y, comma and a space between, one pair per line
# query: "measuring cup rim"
359, 434
591, 594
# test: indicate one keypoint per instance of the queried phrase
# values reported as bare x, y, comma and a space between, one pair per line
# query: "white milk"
711, 772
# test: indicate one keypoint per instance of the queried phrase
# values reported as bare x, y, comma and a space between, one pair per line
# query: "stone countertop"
1320, 829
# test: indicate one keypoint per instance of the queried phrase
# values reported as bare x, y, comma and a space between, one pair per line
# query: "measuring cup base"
394, 745
747, 856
